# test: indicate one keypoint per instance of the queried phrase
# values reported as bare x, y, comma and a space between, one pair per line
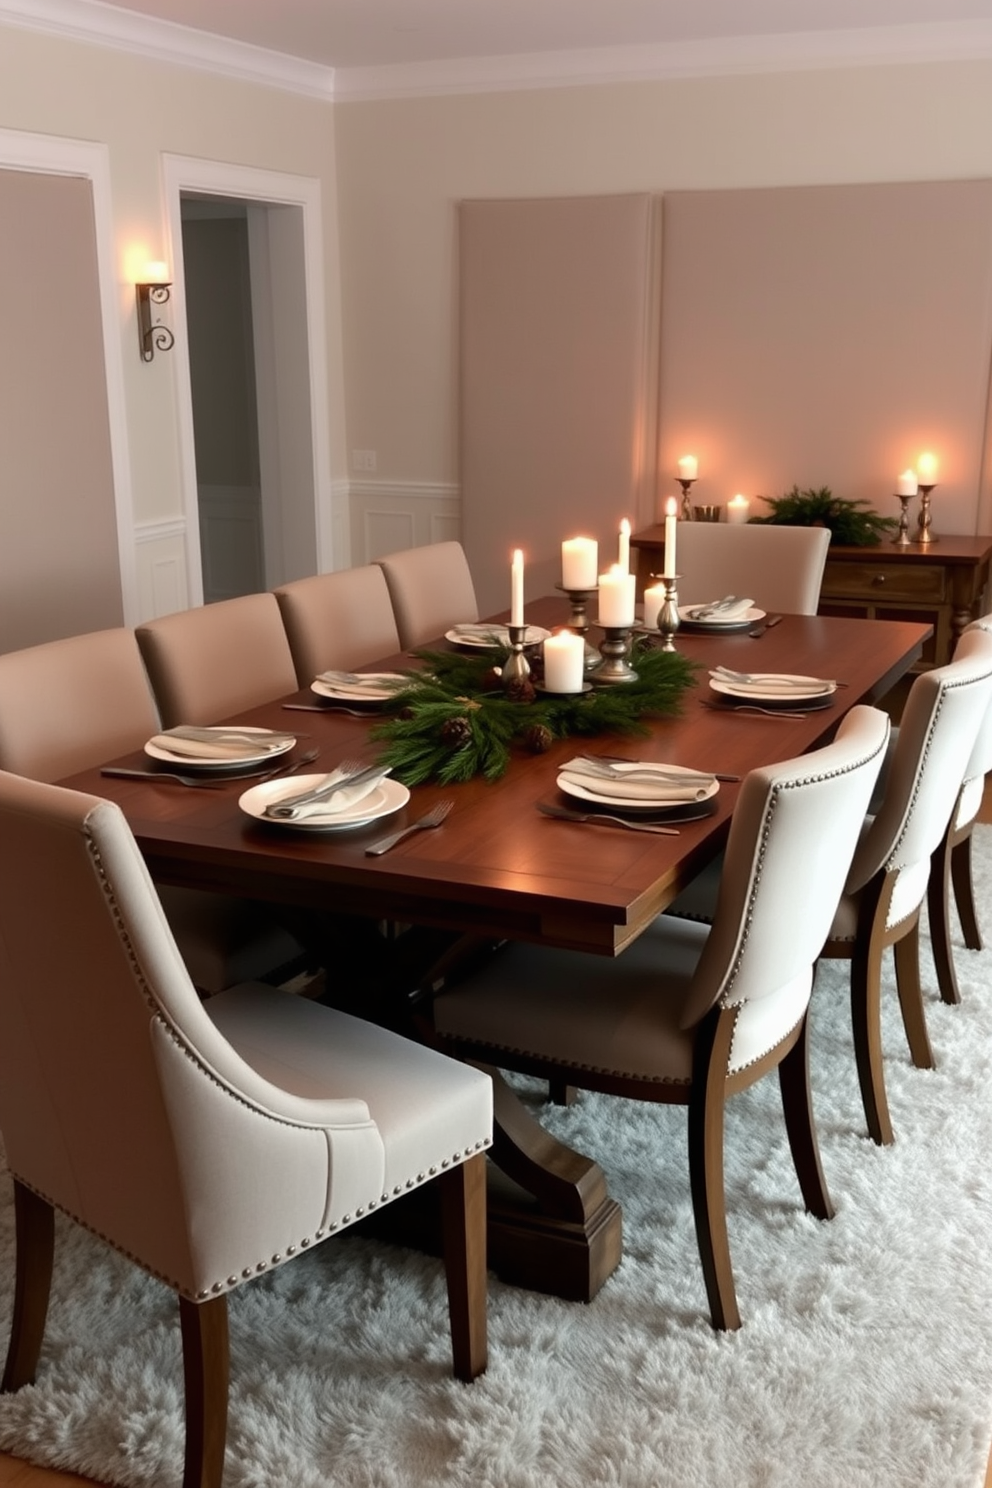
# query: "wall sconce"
153, 291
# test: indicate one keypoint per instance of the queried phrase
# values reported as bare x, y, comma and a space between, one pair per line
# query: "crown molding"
877, 46
164, 41
105, 25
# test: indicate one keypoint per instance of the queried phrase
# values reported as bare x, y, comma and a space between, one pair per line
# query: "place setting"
642, 795
351, 795
358, 689
193, 755
478, 636
727, 616
784, 693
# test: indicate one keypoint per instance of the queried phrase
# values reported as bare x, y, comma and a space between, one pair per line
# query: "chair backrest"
980, 763
69, 705
208, 663
120, 1101
940, 723
343, 619
780, 568
792, 836
431, 589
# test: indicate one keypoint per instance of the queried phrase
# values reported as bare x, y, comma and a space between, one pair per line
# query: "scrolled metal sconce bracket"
152, 334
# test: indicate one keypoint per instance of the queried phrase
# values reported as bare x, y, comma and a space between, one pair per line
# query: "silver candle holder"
668, 614
579, 621
924, 535
687, 483
615, 666
516, 667
902, 538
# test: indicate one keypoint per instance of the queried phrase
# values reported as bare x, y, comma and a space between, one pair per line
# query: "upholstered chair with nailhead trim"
209, 1142
691, 1013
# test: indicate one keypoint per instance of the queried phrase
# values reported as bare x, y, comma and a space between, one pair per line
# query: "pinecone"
521, 690
539, 738
456, 732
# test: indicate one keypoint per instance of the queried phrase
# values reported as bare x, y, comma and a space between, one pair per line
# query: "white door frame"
185, 173
51, 155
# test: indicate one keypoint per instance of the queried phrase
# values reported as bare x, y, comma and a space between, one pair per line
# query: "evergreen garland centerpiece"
852, 523
456, 720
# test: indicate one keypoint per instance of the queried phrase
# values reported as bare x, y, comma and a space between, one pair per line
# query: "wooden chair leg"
463, 1211
914, 1018
709, 1205
797, 1104
964, 893
560, 1093
206, 1364
938, 914
866, 997
34, 1227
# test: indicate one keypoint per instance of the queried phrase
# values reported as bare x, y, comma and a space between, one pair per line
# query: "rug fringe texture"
865, 1359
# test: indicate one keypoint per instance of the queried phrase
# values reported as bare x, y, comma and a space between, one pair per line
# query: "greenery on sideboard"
852, 524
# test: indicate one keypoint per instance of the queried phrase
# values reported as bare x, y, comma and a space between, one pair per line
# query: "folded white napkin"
370, 685
479, 632
219, 743
728, 608
639, 781
310, 803
771, 684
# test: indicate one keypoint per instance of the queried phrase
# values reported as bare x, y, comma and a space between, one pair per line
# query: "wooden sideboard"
941, 585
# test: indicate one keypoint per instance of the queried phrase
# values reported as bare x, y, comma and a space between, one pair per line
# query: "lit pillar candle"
907, 483
671, 523
517, 588
738, 509
654, 598
688, 467
926, 470
616, 598
579, 563
623, 554
564, 659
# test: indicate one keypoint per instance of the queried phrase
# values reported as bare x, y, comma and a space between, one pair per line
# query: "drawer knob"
878, 579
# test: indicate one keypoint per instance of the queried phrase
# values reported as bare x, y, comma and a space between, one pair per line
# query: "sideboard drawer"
884, 581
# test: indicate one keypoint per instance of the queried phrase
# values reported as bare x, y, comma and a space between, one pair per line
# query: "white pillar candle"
907, 483
926, 470
623, 554
564, 659
737, 510
579, 563
616, 598
517, 588
654, 598
688, 467
671, 522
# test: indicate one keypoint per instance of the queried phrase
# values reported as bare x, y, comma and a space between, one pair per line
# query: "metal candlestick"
668, 615
924, 536
516, 667
902, 538
686, 502
578, 599
615, 651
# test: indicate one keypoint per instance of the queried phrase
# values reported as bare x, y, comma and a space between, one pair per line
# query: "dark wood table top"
498, 867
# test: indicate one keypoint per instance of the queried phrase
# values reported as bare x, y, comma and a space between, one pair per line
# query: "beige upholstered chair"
343, 619
431, 589
71, 704
208, 1142
691, 1014
950, 866
211, 662
780, 568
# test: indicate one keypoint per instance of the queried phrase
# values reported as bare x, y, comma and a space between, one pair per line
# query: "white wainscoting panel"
388, 516
160, 563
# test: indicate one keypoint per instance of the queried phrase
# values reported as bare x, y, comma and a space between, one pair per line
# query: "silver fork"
753, 709
601, 818
432, 818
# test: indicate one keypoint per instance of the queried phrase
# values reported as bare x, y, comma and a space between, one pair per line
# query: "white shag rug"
865, 1359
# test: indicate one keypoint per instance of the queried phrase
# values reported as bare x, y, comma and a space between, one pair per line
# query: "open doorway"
248, 276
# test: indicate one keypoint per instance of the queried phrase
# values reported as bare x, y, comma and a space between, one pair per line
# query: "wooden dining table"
499, 869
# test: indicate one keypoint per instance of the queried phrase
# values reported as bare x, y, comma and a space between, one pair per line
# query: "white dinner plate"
388, 796
814, 692
496, 635
386, 684
571, 787
231, 762
719, 622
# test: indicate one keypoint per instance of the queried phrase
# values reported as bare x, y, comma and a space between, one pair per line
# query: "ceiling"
343, 34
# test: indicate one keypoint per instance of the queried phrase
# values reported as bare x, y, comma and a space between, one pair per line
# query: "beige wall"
403, 165
142, 109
